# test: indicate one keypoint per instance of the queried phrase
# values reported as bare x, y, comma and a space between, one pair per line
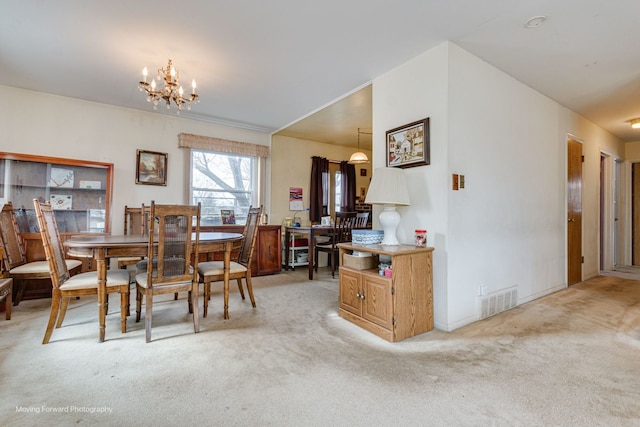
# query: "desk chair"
175, 265
66, 286
14, 258
344, 222
213, 271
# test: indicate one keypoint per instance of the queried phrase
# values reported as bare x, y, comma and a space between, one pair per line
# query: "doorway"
635, 213
574, 211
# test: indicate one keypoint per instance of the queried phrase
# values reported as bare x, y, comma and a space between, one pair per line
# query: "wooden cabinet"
396, 307
266, 257
79, 190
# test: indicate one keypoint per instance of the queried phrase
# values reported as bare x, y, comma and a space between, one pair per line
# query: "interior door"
574, 211
635, 209
618, 257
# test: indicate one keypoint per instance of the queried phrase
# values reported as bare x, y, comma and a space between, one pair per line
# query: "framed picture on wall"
151, 167
409, 145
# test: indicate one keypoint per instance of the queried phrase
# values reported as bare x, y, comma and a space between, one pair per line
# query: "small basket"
366, 237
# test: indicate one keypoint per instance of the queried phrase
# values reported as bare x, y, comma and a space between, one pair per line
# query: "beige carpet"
571, 358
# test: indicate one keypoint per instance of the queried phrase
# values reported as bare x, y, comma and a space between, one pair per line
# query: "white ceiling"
264, 65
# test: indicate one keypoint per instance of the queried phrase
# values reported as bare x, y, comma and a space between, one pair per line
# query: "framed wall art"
151, 167
408, 145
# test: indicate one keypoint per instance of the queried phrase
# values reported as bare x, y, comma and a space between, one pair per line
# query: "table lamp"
388, 188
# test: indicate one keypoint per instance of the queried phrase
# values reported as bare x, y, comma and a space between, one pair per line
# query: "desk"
103, 247
311, 233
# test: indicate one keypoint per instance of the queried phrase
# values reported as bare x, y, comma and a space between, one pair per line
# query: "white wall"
38, 123
508, 225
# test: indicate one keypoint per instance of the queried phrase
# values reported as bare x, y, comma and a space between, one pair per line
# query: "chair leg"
53, 314
240, 287
207, 290
8, 303
194, 302
250, 289
175, 297
148, 314
190, 303
63, 311
124, 309
138, 304
315, 261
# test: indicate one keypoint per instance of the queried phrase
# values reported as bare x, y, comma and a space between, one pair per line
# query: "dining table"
103, 247
311, 232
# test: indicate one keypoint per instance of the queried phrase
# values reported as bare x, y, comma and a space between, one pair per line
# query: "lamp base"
389, 220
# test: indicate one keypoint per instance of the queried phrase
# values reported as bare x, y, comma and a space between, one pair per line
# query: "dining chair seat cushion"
322, 240
90, 280
141, 280
36, 267
216, 268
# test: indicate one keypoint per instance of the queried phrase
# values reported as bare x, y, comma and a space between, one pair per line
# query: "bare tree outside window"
222, 181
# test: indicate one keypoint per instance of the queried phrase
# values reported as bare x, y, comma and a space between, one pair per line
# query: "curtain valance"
187, 140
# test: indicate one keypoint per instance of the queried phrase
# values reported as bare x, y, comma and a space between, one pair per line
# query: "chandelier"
171, 91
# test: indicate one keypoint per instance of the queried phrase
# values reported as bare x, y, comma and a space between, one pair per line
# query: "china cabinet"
79, 190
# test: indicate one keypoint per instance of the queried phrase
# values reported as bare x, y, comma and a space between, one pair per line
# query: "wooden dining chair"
6, 290
66, 286
341, 233
136, 222
175, 262
240, 268
362, 218
14, 258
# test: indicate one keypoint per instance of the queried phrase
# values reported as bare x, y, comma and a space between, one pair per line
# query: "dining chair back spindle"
362, 219
175, 261
66, 286
213, 271
14, 258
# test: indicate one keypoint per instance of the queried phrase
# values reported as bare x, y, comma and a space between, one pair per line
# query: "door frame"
568, 139
607, 212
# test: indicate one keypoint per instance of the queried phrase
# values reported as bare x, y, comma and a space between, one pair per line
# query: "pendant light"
359, 157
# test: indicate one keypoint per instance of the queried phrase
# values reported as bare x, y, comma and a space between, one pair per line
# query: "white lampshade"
389, 188
358, 157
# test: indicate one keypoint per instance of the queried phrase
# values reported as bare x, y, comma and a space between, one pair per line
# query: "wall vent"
497, 302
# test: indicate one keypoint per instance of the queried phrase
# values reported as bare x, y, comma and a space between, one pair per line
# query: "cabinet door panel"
377, 303
349, 291
269, 255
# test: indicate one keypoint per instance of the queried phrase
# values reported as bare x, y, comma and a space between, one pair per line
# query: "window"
223, 181
337, 191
